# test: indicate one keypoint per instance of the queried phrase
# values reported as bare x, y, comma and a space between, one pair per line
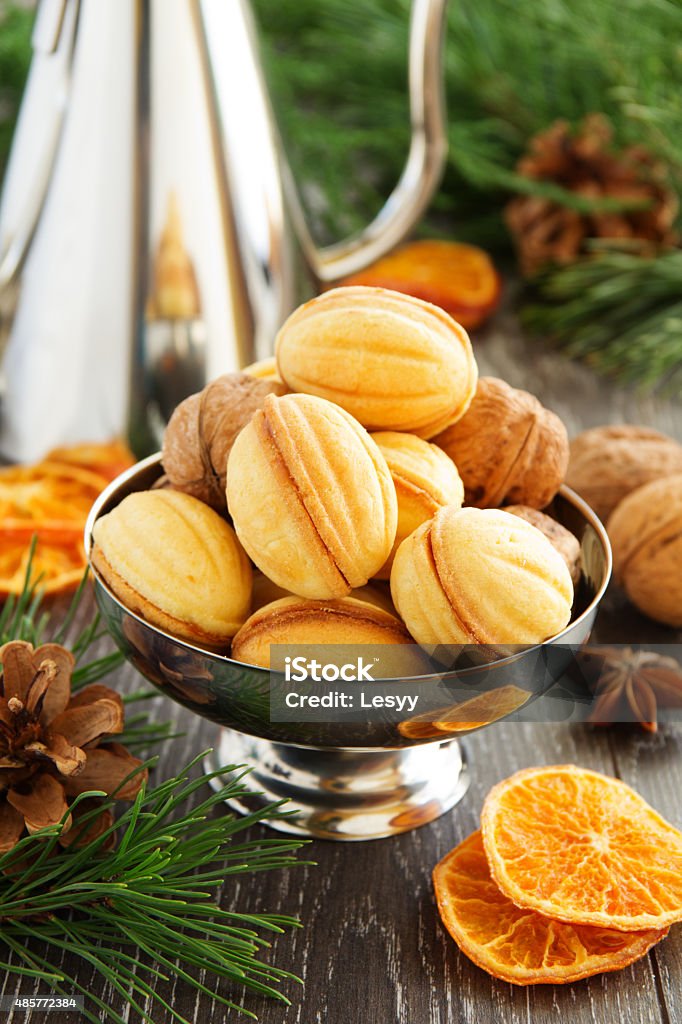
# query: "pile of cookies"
368, 451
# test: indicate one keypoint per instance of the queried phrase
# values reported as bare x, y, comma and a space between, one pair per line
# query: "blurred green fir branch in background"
16, 23
338, 72
618, 310
338, 76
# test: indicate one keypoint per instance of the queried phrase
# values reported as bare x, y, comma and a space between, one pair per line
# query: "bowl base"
346, 794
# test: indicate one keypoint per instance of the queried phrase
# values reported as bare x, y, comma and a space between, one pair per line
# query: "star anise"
632, 685
51, 745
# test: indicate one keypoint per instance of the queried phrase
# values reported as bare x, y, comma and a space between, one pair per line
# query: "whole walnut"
562, 539
607, 463
507, 447
646, 536
202, 430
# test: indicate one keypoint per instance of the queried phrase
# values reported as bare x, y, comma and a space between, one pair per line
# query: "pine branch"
146, 910
23, 617
338, 77
617, 310
152, 892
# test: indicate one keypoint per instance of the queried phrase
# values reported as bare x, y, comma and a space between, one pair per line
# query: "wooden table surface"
371, 947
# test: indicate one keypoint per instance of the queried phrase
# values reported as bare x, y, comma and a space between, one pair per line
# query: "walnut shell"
480, 576
311, 497
646, 536
425, 480
608, 463
508, 448
563, 540
202, 429
392, 361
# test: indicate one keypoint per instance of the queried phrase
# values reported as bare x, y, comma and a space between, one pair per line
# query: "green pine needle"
147, 909
24, 617
16, 22
154, 892
619, 311
338, 76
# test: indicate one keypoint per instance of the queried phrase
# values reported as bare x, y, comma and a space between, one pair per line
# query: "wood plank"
580, 397
372, 945
653, 766
376, 949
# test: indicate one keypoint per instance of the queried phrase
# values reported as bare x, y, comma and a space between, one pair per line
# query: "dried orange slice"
108, 459
57, 567
583, 848
51, 501
459, 278
521, 946
47, 491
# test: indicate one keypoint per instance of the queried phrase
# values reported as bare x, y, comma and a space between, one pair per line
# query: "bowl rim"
153, 460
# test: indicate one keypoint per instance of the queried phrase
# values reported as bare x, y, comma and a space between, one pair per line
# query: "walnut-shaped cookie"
425, 480
171, 559
392, 361
311, 497
480, 576
344, 621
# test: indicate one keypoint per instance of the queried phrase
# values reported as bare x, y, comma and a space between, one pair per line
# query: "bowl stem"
345, 794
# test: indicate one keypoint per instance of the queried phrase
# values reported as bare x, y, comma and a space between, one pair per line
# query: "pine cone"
587, 163
50, 745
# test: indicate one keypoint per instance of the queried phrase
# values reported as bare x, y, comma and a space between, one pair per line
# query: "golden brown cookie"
345, 621
172, 560
480, 576
264, 369
311, 497
425, 480
392, 361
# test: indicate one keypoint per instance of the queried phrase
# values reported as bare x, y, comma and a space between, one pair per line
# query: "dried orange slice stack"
51, 500
572, 874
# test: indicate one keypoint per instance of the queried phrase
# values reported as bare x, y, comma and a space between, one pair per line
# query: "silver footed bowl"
349, 779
